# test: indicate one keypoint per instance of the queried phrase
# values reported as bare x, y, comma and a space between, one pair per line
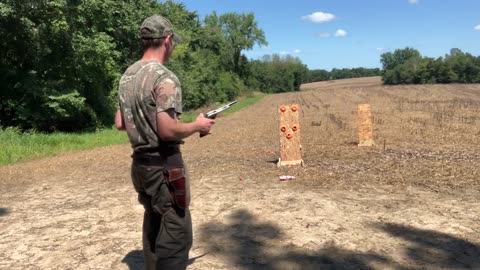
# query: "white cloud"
283, 53
341, 33
477, 27
297, 51
324, 35
413, 2
383, 50
319, 17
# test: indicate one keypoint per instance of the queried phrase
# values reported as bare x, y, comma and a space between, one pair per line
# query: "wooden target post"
290, 148
365, 129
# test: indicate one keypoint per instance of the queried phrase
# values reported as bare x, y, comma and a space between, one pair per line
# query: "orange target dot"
294, 128
283, 109
283, 129
294, 108
289, 136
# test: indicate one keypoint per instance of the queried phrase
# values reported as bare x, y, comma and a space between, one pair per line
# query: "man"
150, 103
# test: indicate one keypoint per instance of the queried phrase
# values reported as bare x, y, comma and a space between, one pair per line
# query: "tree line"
407, 66
344, 73
61, 60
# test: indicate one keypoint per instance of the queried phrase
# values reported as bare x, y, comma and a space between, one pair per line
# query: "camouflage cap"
158, 27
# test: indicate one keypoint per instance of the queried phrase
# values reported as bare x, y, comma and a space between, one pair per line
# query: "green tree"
61, 59
240, 32
407, 66
276, 74
398, 57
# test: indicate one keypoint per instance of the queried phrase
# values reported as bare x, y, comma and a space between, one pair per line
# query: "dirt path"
412, 205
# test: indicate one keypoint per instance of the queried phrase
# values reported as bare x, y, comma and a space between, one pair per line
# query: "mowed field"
410, 202
426, 135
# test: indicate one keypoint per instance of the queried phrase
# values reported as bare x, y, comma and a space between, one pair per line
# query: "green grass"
16, 146
242, 103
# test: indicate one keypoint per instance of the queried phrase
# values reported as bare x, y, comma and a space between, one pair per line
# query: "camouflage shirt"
146, 88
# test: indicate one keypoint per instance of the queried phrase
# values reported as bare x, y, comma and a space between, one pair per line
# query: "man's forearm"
181, 131
170, 128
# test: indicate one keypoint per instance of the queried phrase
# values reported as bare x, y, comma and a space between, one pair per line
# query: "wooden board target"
289, 131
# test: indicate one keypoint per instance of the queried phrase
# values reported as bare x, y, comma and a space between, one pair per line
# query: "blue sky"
328, 34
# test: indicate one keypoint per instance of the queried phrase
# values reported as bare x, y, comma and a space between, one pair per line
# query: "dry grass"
426, 135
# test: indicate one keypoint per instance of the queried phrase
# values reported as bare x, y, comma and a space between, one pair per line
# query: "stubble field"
410, 202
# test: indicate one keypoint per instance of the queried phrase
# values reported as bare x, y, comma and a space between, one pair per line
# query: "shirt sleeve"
168, 95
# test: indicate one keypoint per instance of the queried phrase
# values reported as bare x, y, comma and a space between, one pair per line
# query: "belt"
169, 160
149, 160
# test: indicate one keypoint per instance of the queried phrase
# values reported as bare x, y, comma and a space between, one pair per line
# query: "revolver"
213, 113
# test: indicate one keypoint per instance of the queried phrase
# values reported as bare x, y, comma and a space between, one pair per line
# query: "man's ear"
168, 41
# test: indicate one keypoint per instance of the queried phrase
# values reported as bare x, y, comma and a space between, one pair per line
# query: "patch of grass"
17, 146
242, 102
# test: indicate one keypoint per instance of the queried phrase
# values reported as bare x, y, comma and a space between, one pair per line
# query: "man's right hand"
204, 124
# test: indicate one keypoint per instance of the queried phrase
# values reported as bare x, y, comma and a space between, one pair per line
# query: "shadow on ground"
435, 249
4, 211
247, 243
134, 260
250, 244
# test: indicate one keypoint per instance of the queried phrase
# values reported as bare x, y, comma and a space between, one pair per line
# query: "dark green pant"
167, 229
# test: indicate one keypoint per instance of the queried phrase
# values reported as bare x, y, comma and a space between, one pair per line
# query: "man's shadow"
134, 260
246, 242
4, 211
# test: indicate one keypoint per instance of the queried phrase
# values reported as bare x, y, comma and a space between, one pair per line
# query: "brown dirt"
411, 202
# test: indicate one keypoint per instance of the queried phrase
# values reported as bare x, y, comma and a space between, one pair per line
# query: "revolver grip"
209, 117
